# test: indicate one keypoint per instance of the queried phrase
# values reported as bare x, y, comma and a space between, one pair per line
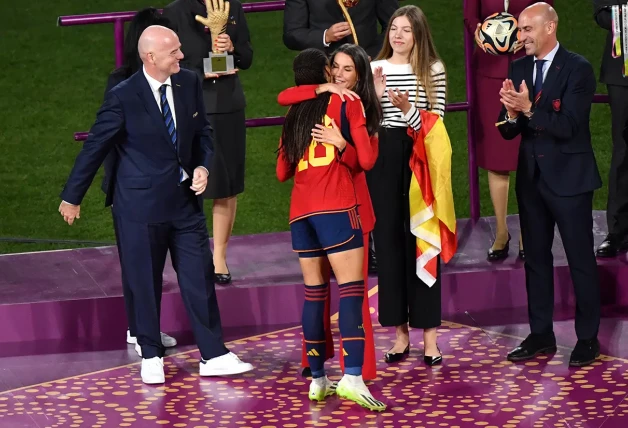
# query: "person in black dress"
617, 85
225, 103
132, 63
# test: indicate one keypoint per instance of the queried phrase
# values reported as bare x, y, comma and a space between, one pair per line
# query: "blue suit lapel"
152, 108
528, 69
552, 73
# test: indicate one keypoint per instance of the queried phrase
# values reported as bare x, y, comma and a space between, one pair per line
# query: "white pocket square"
195, 114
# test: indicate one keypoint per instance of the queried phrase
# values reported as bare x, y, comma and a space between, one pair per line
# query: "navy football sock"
314, 328
351, 328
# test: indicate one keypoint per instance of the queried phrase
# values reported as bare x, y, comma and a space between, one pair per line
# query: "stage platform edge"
77, 294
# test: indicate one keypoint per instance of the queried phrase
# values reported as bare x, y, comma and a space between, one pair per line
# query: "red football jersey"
365, 208
323, 183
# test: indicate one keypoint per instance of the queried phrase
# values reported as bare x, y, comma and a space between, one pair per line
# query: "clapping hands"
401, 100
515, 102
379, 78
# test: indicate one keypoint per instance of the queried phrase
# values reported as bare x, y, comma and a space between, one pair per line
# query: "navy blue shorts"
322, 234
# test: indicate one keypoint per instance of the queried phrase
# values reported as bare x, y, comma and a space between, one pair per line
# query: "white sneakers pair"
152, 371
228, 364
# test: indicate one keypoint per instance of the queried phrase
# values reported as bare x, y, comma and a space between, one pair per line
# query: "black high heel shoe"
433, 361
222, 278
394, 357
501, 254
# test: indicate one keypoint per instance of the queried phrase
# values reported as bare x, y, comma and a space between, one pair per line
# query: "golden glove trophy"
216, 21
344, 4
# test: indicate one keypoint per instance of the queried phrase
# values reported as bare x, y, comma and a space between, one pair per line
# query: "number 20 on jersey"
315, 161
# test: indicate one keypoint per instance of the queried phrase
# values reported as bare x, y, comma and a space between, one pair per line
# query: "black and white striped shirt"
402, 77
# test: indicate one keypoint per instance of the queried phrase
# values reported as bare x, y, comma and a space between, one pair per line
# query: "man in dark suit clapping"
155, 120
556, 177
320, 24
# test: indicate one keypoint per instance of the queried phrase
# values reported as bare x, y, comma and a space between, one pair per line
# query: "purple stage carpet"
476, 386
64, 362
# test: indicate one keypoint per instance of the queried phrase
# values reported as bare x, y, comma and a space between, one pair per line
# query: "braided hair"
310, 68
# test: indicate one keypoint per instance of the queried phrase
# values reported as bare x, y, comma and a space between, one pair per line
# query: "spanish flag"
432, 215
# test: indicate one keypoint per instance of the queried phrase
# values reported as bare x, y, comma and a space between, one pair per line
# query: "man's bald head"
537, 29
160, 51
153, 37
541, 10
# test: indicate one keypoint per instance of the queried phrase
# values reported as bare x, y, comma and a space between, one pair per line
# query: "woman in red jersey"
351, 72
324, 222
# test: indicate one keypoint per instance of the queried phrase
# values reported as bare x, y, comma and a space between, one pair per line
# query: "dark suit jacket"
145, 183
225, 94
610, 71
111, 161
557, 136
305, 21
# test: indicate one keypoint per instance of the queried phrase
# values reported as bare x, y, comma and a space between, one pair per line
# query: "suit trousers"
144, 247
540, 210
402, 296
617, 204
126, 289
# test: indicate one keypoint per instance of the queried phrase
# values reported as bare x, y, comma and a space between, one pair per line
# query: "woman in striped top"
409, 76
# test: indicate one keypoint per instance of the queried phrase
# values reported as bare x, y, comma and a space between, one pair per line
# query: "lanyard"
619, 30
617, 33
624, 11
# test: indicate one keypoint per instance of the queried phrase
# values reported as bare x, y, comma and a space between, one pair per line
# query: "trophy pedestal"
218, 63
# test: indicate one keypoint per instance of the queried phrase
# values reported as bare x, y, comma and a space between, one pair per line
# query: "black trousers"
126, 288
402, 296
539, 210
144, 247
617, 204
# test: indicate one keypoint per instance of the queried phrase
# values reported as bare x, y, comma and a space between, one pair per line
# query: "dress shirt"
546, 65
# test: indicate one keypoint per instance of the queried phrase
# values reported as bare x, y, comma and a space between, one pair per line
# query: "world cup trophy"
216, 21
344, 4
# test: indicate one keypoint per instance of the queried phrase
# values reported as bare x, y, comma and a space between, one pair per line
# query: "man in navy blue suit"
556, 177
162, 171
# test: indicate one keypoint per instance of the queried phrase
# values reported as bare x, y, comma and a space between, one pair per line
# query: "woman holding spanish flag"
410, 184
351, 77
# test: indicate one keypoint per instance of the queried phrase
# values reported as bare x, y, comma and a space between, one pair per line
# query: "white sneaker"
138, 349
153, 370
322, 387
225, 365
166, 340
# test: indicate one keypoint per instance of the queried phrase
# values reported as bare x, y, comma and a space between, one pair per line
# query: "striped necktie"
169, 121
538, 82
